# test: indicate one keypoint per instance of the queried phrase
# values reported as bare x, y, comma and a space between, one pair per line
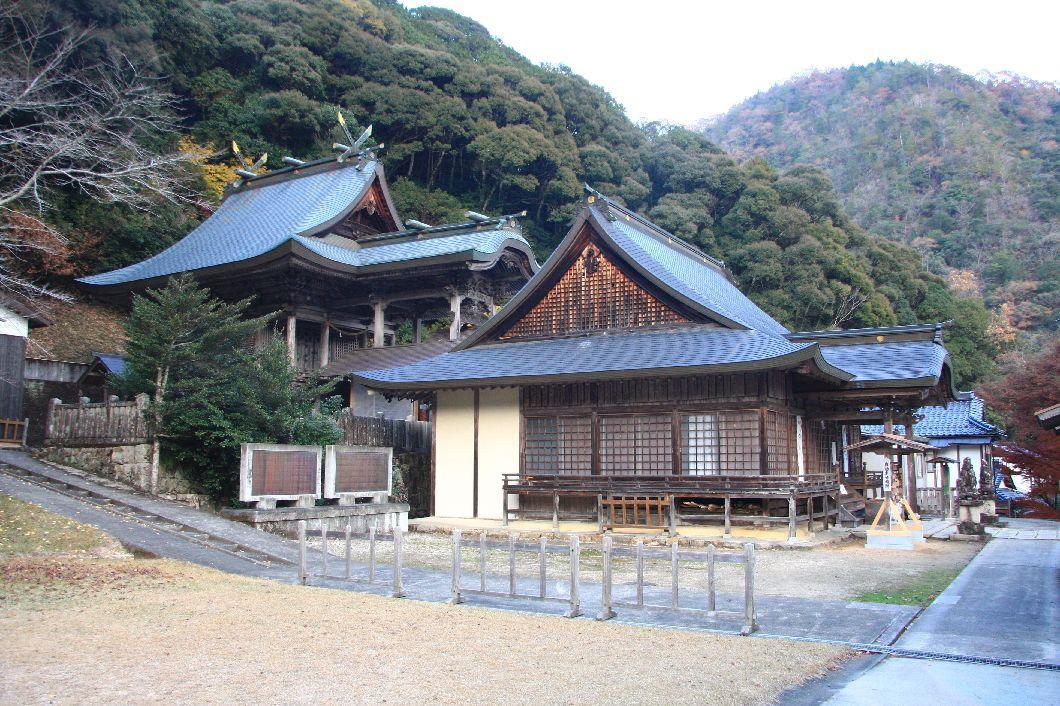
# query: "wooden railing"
97, 423
748, 486
13, 432
402, 436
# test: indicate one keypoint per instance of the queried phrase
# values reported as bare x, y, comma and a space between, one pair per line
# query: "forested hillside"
468, 123
966, 171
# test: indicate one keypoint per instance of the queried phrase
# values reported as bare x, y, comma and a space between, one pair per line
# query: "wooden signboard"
278, 471
358, 471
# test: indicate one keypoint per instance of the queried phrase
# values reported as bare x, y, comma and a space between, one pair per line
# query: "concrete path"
1004, 605
777, 615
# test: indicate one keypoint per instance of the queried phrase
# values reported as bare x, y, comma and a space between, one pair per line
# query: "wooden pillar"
455, 301
325, 342
292, 338
378, 310
728, 517
791, 517
419, 331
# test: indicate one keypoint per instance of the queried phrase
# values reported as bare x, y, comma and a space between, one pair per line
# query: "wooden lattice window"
592, 295
639, 444
818, 438
699, 444
779, 442
720, 443
558, 445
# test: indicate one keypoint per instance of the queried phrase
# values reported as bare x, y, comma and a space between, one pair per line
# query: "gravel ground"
183, 633
98, 626
841, 571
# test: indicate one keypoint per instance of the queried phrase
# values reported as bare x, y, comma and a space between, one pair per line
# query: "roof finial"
603, 204
248, 171
354, 146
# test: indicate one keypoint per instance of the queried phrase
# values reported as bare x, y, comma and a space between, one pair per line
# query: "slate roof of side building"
751, 339
959, 421
294, 212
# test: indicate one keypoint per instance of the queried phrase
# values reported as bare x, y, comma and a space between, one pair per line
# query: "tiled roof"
683, 269
626, 354
384, 357
963, 418
885, 362
257, 220
113, 363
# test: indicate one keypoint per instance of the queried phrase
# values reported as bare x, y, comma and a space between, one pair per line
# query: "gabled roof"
290, 211
680, 271
113, 363
628, 354
960, 419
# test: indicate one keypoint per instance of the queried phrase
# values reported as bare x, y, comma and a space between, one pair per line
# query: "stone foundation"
130, 464
284, 520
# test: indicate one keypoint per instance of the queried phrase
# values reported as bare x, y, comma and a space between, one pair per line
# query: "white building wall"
11, 324
498, 447
454, 448
454, 453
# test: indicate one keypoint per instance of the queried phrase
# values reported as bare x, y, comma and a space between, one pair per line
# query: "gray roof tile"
963, 418
257, 220
688, 272
601, 354
883, 362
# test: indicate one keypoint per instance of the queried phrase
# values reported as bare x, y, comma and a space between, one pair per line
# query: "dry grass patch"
215, 638
26, 528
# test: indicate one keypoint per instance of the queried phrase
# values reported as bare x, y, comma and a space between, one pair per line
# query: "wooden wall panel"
592, 295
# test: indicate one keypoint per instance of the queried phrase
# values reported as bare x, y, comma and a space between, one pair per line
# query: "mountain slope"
469, 123
964, 170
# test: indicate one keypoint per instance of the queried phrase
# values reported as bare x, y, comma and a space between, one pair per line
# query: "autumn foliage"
1028, 387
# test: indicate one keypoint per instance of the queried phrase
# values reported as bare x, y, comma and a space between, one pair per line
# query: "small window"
725, 443
558, 445
636, 445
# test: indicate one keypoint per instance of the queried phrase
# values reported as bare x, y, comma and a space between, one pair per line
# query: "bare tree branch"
75, 127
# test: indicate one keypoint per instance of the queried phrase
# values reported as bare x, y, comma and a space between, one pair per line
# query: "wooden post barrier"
511, 564
454, 592
675, 556
323, 547
398, 590
575, 577
605, 589
750, 623
371, 553
302, 573
349, 532
674, 567
542, 567
482, 561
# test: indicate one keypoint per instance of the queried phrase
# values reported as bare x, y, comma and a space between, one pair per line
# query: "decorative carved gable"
370, 217
592, 295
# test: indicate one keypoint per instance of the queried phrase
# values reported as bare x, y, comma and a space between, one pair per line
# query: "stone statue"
986, 482
966, 483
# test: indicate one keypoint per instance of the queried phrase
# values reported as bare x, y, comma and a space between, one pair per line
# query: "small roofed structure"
631, 365
1049, 418
95, 382
322, 243
16, 320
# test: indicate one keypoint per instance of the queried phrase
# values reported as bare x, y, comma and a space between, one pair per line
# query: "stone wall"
130, 464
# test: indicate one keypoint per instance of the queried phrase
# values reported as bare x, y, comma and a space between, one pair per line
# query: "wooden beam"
292, 339
378, 323
325, 342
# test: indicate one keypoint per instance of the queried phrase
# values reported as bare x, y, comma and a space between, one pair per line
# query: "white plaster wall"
498, 446
11, 324
454, 440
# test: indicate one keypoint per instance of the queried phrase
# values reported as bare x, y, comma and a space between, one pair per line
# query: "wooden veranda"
808, 497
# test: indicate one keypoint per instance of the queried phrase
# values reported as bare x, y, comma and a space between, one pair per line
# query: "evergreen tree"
210, 389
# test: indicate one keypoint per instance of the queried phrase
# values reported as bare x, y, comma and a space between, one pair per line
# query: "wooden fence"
404, 437
97, 423
934, 501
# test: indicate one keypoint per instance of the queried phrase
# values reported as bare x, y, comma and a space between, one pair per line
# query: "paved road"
1005, 604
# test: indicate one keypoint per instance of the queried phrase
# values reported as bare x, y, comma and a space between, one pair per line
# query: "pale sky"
682, 61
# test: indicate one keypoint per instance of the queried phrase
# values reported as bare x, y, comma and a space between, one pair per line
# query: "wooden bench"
637, 512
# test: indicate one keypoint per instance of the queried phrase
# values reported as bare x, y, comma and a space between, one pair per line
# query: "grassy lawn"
82, 627
921, 590
28, 529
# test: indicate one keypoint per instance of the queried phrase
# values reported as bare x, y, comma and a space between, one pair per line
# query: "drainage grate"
923, 654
